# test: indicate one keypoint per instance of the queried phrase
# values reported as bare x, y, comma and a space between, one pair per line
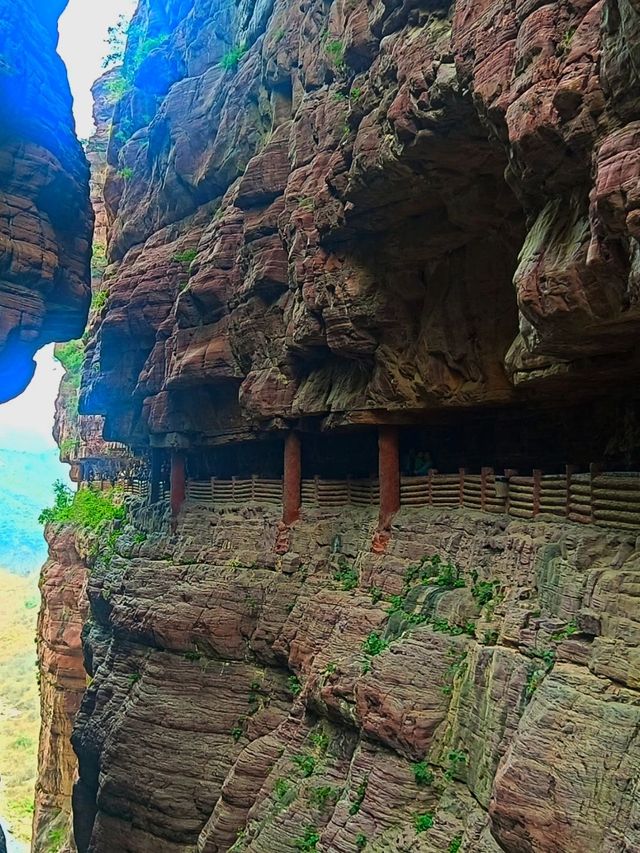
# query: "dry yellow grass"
19, 703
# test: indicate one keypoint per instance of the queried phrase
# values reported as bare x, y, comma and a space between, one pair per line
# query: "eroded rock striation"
245, 701
45, 216
346, 210
62, 684
324, 218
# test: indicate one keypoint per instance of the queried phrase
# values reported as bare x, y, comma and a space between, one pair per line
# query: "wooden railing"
136, 486
604, 499
607, 499
330, 493
235, 491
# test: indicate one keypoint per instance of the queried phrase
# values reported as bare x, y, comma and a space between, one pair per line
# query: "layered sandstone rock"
245, 701
62, 683
45, 216
325, 210
334, 214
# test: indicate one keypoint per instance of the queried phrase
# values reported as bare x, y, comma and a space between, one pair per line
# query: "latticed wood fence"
609, 499
606, 499
330, 493
235, 491
137, 486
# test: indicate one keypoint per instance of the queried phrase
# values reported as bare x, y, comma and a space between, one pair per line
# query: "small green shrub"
534, 680
361, 792
455, 844
321, 795
308, 203
134, 677
309, 840
99, 300
193, 655
126, 172
456, 759
376, 594
335, 52
422, 774
117, 88
568, 631
361, 841
144, 47
483, 591
86, 509
320, 740
71, 357
237, 732
346, 576
187, 257
435, 570
232, 57
294, 684
374, 644
56, 837
547, 656
281, 788
305, 763
423, 822
445, 627
98, 259
564, 46
68, 446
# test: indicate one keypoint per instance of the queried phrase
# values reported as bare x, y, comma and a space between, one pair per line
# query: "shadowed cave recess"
357, 396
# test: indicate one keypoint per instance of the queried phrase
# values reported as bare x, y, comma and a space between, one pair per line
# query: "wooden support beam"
178, 482
156, 474
388, 474
292, 486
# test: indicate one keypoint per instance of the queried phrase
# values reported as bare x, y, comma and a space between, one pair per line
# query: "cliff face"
343, 209
45, 217
332, 216
64, 575
245, 701
80, 436
62, 684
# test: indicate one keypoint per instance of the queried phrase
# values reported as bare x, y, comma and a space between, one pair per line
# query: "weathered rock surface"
240, 700
62, 683
371, 208
80, 437
335, 213
45, 216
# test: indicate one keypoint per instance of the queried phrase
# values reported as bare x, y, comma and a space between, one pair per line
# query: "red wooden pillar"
388, 474
178, 481
292, 487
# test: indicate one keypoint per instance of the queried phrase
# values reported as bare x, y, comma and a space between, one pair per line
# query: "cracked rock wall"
242, 701
45, 215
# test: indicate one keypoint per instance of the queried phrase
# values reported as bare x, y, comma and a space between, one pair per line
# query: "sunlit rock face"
45, 216
323, 209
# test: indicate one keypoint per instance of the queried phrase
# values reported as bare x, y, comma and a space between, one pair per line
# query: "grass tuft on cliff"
86, 509
71, 356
